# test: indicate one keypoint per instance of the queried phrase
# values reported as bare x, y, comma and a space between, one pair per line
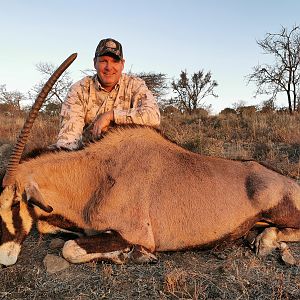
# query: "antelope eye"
16, 205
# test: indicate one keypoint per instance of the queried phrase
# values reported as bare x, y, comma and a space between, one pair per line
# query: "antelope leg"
105, 246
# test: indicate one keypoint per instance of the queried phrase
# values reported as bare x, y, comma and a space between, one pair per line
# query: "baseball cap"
109, 46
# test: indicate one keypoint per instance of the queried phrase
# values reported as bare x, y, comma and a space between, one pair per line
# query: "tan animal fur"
157, 194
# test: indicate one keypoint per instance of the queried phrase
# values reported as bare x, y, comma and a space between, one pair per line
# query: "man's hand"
102, 124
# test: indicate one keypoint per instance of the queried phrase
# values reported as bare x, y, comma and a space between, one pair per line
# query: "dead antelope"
139, 193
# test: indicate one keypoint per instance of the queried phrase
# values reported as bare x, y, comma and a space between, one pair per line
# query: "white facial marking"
7, 218
25, 217
6, 197
9, 253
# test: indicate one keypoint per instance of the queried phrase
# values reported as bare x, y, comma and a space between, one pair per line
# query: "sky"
161, 36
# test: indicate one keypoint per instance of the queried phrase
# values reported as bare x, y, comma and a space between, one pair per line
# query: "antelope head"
16, 215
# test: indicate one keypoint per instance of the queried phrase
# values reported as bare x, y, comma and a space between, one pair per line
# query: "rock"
54, 264
56, 243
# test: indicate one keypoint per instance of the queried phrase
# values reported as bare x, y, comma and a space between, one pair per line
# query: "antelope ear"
35, 197
7, 196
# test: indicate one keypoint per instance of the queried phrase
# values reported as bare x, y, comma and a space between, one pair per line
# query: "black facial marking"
6, 236
20, 233
2, 174
18, 224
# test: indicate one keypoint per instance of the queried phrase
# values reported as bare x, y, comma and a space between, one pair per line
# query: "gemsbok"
133, 193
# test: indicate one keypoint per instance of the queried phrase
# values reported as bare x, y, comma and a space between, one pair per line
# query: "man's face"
109, 70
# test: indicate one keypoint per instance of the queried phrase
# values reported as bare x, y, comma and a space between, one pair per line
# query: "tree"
156, 82
59, 91
190, 92
10, 101
284, 74
249, 110
228, 111
268, 106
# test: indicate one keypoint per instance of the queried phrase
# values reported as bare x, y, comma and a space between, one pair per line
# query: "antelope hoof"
72, 252
141, 255
266, 242
286, 254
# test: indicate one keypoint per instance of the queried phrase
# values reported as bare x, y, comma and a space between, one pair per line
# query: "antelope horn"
23, 137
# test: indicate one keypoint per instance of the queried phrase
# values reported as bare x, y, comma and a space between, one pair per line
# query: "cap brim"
108, 53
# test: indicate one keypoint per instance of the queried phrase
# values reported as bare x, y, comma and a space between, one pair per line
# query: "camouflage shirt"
131, 101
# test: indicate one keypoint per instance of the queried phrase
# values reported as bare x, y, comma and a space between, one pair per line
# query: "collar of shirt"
101, 88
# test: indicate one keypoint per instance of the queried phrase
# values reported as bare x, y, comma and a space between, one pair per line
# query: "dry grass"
270, 138
226, 272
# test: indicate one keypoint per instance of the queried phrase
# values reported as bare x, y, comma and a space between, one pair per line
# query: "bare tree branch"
156, 82
190, 93
59, 91
283, 75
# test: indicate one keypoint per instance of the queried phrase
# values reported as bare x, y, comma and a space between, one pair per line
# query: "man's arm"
144, 109
102, 123
72, 119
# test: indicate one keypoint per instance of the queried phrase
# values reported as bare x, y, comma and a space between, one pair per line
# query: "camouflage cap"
109, 46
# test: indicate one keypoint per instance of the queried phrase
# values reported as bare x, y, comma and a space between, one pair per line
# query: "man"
110, 96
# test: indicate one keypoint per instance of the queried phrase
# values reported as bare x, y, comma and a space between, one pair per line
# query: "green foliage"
228, 111
268, 106
246, 110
